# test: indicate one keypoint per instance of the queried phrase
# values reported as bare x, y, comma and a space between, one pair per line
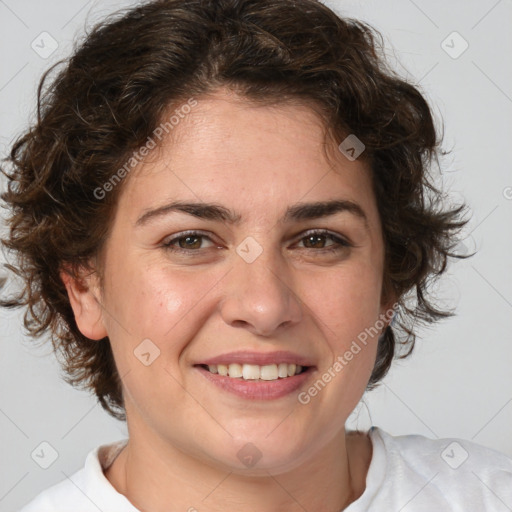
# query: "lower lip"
258, 389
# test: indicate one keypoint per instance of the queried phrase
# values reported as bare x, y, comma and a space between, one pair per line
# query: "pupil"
318, 238
188, 238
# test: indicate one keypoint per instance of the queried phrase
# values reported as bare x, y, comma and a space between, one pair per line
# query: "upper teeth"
255, 372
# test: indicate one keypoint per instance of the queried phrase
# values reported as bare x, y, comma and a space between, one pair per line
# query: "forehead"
256, 159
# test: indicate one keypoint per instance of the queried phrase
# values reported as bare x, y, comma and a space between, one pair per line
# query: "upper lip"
259, 358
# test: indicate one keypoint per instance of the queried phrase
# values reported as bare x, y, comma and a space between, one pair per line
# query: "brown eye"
318, 240
185, 242
189, 242
314, 241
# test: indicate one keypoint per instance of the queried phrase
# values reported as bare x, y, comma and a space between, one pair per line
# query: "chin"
262, 452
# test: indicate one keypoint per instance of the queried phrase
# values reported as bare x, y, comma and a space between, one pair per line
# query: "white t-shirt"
407, 473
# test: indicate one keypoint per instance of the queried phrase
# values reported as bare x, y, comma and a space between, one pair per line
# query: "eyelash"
340, 243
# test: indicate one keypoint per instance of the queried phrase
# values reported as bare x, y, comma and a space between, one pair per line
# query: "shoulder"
60, 497
452, 453
450, 470
86, 490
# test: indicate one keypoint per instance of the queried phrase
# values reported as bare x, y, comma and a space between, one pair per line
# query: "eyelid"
326, 232
167, 241
340, 241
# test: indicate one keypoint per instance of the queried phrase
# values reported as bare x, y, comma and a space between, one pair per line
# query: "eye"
189, 241
192, 241
316, 239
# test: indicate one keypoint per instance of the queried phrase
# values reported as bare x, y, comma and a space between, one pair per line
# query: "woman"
219, 217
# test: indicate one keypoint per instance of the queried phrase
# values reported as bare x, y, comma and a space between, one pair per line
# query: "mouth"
247, 371
257, 376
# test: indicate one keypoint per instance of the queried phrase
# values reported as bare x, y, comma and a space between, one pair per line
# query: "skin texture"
184, 431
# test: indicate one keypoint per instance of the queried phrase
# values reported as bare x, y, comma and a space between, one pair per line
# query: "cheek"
157, 303
346, 304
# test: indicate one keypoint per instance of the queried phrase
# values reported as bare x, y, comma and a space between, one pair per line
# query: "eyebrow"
294, 213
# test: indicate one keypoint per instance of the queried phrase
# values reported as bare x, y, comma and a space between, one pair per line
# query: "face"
252, 278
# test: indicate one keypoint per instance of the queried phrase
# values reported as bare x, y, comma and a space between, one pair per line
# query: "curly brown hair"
114, 91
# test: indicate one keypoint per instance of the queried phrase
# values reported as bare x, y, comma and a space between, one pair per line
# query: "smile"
255, 372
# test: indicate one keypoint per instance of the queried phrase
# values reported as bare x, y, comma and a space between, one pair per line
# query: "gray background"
458, 383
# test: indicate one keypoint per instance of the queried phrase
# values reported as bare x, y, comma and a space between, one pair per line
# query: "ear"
85, 299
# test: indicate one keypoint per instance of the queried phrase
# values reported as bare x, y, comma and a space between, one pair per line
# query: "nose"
259, 296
